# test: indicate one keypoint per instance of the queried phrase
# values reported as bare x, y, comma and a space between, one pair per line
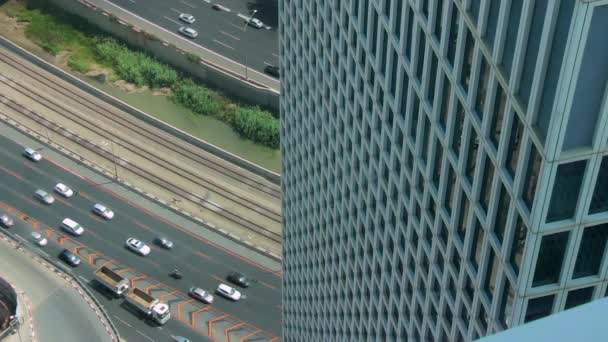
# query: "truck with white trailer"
148, 306
112, 281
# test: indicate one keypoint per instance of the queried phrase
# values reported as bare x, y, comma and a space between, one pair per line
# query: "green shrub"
199, 99
78, 63
194, 58
258, 125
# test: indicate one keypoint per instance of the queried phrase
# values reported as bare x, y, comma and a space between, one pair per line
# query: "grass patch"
56, 31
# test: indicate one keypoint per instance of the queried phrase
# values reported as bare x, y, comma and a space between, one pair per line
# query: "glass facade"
434, 186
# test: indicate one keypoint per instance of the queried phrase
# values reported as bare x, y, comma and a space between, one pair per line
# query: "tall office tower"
445, 165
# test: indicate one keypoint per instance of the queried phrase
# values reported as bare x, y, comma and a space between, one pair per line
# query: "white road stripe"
237, 26
83, 279
268, 63
187, 4
123, 321
274, 54
144, 335
171, 20
231, 36
133, 1
176, 11
223, 44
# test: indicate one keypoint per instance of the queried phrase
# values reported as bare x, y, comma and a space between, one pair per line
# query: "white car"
72, 227
39, 239
188, 32
228, 292
32, 154
257, 23
187, 18
44, 196
137, 246
200, 294
103, 211
6, 221
63, 190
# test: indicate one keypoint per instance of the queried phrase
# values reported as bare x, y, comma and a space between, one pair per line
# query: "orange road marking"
203, 255
267, 285
90, 257
196, 313
167, 294
151, 287
132, 281
227, 330
211, 321
179, 308
274, 339
123, 270
255, 332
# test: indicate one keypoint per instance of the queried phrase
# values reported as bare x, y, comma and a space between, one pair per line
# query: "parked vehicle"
148, 306
112, 281
32, 154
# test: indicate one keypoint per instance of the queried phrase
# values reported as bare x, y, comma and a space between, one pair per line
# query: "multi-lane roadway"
221, 31
202, 262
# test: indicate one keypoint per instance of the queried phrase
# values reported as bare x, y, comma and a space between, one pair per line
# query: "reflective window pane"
531, 177
599, 202
491, 274
539, 307
550, 257
514, 145
566, 190
486, 185
476, 245
501, 214
591, 251
517, 244
578, 297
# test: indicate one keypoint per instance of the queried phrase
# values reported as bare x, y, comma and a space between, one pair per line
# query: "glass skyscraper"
445, 165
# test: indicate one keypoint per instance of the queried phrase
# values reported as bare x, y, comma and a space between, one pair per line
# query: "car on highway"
257, 23
188, 32
272, 71
6, 221
63, 190
44, 196
200, 294
137, 246
163, 242
239, 279
69, 258
187, 18
72, 227
103, 211
219, 7
229, 292
180, 339
39, 239
32, 154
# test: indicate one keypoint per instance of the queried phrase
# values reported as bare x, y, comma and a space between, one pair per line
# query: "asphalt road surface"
203, 263
220, 31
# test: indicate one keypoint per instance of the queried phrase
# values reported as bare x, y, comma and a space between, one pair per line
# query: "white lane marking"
246, 17
268, 63
123, 321
20, 237
223, 44
176, 11
229, 35
144, 335
274, 54
187, 4
207, 1
171, 20
83, 279
237, 26
133, 1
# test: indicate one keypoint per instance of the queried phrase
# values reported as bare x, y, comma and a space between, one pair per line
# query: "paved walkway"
58, 311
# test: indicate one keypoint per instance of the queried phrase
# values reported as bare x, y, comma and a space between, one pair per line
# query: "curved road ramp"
38, 302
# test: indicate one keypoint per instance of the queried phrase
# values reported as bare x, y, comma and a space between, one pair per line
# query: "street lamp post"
245, 29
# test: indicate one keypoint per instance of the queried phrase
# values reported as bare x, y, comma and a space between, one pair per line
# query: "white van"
72, 227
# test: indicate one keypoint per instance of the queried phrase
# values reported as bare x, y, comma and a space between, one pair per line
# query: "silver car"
257, 23
200, 294
187, 18
103, 211
6, 221
44, 196
188, 32
32, 154
39, 239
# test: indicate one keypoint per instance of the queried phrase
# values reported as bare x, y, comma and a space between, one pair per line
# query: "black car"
238, 279
69, 258
163, 242
272, 71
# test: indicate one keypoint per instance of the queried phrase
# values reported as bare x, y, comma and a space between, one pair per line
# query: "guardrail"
245, 164
59, 268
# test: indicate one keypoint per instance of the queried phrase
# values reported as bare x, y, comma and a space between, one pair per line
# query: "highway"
203, 263
220, 31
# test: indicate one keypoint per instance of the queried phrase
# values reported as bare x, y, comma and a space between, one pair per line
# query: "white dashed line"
171, 20
132, 1
223, 44
268, 63
176, 11
237, 26
123, 321
229, 35
274, 54
83, 279
144, 335
187, 4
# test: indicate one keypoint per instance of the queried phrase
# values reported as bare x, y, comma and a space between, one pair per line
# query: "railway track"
185, 150
182, 192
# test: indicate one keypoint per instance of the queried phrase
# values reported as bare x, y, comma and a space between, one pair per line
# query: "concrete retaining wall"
273, 177
211, 74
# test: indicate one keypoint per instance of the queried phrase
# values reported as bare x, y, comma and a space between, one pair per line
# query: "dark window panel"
453, 35
467, 62
486, 185
599, 201
497, 115
463, 217
432, 78
480, 98
477, 244
421, 48
492, 23
514, 145
550, 258
539, 307
531, 177
409, 34
517, 244
472, 156
511, 36
438, 21
445, 102
449, 192
502, 212
437, 164
566, 190
489, 284
458, 126
579, 297
591, 251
